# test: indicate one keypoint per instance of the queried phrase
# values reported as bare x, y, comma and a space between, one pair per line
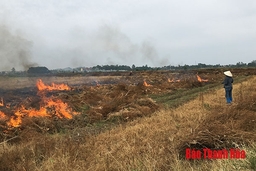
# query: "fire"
200, 79
2, 115
2, 102
42, 112
146, 84
41, 86
172, 81
62, 109
49, 107
15, 122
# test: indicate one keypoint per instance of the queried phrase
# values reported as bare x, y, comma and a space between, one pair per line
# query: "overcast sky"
73, 33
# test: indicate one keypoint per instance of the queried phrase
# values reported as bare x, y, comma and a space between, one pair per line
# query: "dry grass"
148, 143
153, 143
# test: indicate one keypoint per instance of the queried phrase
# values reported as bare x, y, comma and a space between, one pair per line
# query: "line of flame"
62, 110
2, 115
146, 84
41, 86
173, 81
200, 79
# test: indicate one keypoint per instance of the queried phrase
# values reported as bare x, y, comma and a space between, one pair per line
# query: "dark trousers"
228, 95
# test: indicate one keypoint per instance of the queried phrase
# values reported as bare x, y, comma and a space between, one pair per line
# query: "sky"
75, 33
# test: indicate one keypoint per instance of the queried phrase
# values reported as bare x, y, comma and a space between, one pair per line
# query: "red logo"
207, 153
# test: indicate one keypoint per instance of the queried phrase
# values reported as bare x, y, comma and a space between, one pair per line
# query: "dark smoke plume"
14, 51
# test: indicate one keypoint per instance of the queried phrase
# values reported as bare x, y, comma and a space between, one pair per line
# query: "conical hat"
228, 73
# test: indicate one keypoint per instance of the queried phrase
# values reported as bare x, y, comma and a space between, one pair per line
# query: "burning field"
36, 104
45, 106
124, 97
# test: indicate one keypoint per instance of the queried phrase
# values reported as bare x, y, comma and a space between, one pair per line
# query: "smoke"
119, 48
114, 41
106, 44
14, 51
149, 52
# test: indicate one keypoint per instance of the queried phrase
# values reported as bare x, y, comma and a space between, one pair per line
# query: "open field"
145, 121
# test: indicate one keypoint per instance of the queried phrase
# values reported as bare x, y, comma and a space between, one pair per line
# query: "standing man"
228, 86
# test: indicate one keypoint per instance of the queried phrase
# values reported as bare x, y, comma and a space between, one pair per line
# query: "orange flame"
61, 110
2, 102
41, 86
146, 84
2, 115
200, 79
170, 81
15, 121
42, 112
173, 81
49, 108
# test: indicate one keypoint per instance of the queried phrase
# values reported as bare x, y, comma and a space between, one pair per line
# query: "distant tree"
185, 67
133, 67
13, 69
200, 65
252, 64
240, 64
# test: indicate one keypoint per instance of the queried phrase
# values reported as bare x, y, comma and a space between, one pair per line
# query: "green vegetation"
178, 97
181, 96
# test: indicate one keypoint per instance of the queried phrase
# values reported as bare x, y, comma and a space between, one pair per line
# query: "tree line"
169, 67
44, 70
